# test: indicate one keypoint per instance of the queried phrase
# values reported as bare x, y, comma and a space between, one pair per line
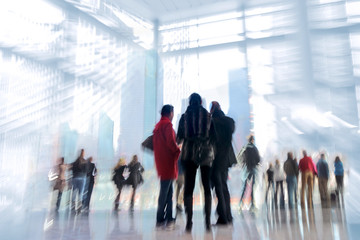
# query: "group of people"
290, 172
134, 179
82, 182
203, 140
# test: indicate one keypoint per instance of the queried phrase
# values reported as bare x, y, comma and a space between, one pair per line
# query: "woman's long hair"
120, 163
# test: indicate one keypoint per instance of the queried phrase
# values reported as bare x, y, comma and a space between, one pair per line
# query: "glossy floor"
264, 223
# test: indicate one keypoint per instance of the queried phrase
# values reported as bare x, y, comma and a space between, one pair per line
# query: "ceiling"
165, 11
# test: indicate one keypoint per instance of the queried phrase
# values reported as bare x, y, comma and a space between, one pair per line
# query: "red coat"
307, 164
166, 151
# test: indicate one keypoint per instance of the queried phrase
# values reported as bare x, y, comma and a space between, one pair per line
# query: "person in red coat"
166, 153
308, 170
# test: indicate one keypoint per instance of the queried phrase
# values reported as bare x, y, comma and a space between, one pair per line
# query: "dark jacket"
195, 125
166, 151
79, 168
224, 128
291, 167
135, 178
118, 175
270, 174
251, 157
91, 171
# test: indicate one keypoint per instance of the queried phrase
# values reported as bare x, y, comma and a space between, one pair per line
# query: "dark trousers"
219, 180
190, 169
58, 201
270, 184
339, 183
117, 199
165, 205
89, 186
282, 201
251, 174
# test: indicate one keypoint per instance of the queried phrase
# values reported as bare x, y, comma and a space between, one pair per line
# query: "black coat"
135, 174
251, 157
118, 176
195, 125
224, 128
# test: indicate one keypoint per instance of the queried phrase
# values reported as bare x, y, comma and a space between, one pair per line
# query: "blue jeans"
165, 205
78, 185
291, 186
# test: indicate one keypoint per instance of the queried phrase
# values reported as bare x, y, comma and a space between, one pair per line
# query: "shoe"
159, 226
208, 227
188, 227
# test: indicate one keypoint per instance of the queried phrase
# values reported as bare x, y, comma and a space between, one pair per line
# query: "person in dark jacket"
250, 160
292, 170
323, 177
90, 181
224, 158
196, 134
270, 178
135, 178
119, 180
166, 154
79, 171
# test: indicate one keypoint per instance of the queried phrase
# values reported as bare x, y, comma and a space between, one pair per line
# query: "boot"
207, 212
188, 204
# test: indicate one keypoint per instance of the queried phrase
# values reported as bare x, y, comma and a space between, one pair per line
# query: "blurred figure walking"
292, 170
119, 180
308, 170
135, 178
90, 181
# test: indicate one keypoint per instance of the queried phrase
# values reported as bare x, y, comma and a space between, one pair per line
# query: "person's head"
195, 99
167, 111
322, 156
214, 106
251, 139
277, 162
120, 163
337, 159
134, 159
61, 160
270, 165
304, 153
290, 155
90, 159
82, 153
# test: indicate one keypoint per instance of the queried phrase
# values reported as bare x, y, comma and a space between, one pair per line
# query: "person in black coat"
135, 177
119, 180
224, 158
196, 133
90, 181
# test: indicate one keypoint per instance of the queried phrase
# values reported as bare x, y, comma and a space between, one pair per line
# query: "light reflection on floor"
265, 223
